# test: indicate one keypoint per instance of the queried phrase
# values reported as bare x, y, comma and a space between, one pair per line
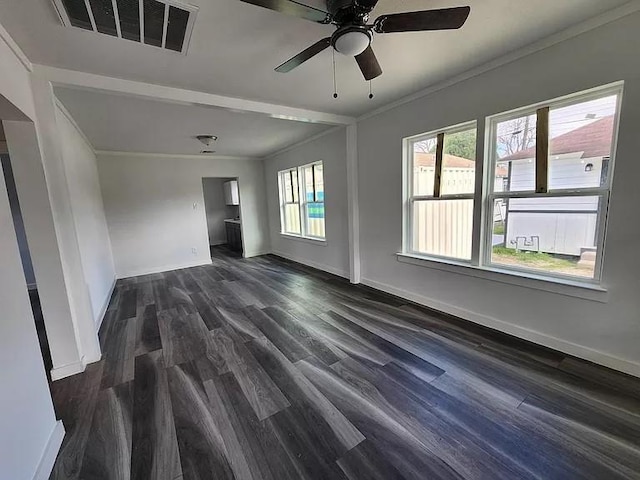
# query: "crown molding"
303, 142
187, 156
17, 51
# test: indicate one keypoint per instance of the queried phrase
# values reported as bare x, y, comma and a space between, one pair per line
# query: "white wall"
88, 213
27, 418
606, 332
52, 152
149, 204
216, 209
28, 426
333, 255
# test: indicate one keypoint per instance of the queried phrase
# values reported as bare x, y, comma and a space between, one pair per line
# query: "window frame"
484, 196
408, 185
302, 203
541, 189
283, 198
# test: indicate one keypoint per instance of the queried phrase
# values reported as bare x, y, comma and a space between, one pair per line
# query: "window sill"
588, 291
315, 241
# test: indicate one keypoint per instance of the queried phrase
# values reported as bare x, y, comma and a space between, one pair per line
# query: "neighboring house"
564, 226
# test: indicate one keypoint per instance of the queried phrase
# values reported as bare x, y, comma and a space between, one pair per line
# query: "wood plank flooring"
266, 369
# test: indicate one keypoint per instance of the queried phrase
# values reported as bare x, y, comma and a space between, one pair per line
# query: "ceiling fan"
353, 35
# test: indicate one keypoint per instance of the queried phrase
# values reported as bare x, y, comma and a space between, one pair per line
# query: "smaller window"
302, 210
441, 177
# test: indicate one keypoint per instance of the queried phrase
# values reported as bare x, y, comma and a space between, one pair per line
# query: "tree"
516, 135
461, 144
425, 146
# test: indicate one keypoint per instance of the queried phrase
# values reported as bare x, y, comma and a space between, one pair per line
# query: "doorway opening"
222, 207
25, 254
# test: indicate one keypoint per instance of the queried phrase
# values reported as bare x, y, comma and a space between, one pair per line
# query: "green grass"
498, 228
536, 260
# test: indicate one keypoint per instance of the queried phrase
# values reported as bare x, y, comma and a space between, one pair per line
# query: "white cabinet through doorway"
231, 194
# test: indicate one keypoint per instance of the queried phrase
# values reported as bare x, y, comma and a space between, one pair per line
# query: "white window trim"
410, 198
282, 199
299, 238
302, 206
480, 264
562, 286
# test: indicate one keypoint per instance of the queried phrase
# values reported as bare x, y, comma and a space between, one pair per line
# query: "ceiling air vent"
166, 24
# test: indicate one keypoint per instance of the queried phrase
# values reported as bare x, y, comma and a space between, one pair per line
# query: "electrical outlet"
194, 250
195, 205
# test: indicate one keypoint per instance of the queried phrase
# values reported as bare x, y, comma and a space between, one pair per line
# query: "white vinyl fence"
444, 227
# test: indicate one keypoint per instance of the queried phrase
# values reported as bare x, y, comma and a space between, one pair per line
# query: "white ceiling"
124, 123
235, 47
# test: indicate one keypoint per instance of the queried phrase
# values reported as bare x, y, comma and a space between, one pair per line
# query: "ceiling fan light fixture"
207, 139
352, 42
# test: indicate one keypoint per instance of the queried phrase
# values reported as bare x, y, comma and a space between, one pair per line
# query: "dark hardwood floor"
265, 369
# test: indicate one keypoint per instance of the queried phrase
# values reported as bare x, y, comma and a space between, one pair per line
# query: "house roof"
450, 161
593, 140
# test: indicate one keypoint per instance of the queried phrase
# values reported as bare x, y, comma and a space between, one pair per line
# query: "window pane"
315, 219
308, 184
459, 163
424, 166
443, 228
314, 208
515, 153
581, 139
319, 178
292, 218
555, 235
290, 189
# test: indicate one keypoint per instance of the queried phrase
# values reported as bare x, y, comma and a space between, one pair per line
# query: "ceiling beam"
74, 79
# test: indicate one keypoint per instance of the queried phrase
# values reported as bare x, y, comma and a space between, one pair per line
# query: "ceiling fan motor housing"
345, 12
334, 6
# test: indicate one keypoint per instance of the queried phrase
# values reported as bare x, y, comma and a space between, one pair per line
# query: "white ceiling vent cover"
166, 23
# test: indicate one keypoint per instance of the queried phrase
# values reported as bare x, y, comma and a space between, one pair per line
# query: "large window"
441, 185
546, 189
302, 201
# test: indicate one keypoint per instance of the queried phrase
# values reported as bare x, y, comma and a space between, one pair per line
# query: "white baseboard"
68, 369
50, 453
256, 253
310, 263
564, 346
105, 305
160, 269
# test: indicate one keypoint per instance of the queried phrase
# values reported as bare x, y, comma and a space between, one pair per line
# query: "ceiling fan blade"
292, 8
305, 55
368, 64
368, 5
442, 19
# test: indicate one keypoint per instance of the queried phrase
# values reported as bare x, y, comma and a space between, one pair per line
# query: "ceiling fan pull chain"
335, 85
370, 89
